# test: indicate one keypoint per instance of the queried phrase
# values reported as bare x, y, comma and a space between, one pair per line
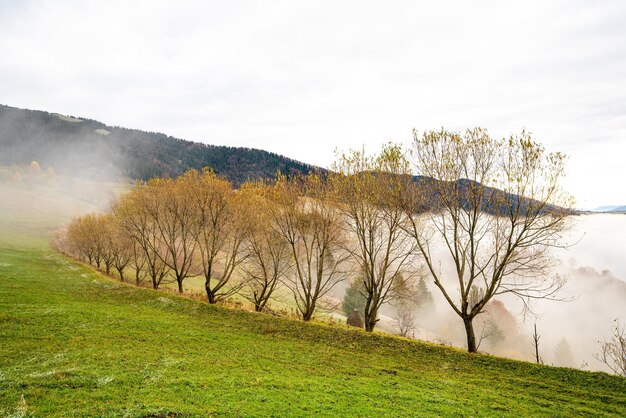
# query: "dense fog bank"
593, 297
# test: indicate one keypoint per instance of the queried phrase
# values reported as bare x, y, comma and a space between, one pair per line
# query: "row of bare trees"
479, 221
249, 241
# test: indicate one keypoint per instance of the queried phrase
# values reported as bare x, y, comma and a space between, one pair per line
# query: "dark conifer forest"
79, 146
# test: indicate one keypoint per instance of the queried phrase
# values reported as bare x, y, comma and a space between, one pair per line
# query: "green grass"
75, 343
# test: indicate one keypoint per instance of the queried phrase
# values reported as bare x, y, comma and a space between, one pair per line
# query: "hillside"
75, 343
87, 147
84, 345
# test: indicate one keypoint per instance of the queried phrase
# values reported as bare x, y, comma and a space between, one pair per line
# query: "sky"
305, 78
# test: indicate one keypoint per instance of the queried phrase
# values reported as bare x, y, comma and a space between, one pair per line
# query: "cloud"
302, 78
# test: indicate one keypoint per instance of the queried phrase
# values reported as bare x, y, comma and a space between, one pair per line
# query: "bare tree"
91, 238
316, 241
96, 231
104, 235
220, 215
138, 262
269, 258
98, 238
123, 254
497, 208
116, 244
489, 329
536, 338
405, 317
80, 238
613, 352
367, 191
133, 216
173, 217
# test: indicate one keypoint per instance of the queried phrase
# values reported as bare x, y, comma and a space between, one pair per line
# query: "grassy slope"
75, 343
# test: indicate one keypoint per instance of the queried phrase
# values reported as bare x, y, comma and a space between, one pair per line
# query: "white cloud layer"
302, 78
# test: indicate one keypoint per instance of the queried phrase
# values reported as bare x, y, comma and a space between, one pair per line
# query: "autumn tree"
268, 260
35, 167
367, 191
105, 238
174, 218
134, 217
314, 233
495, 325
221, 227
98, 239
138, 262
80, 238
497, 208
120, 244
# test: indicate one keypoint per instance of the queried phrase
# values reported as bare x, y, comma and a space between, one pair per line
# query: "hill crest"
76, 145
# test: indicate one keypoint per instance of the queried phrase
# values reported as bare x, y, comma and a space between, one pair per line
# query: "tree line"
479, 221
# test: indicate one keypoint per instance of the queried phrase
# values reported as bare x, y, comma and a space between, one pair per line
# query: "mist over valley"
312, 209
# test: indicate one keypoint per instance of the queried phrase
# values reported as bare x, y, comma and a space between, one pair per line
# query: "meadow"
76, 343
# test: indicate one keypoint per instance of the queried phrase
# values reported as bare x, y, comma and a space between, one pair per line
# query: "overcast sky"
303, 78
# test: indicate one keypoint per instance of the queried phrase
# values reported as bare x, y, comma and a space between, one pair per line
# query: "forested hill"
87, 147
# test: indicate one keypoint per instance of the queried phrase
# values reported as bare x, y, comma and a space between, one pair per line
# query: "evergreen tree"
424, 299
354, 298
563, 355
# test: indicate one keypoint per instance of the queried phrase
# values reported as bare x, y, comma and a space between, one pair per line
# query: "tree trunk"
180, 285
307, 316
536, 345
471, 337
370, 320
259, 302
121, 272
210, 294
370, 313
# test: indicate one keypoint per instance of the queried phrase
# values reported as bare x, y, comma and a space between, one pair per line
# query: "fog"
67, 145
36, 201
594, 295
602, 244
51, 169
596, 272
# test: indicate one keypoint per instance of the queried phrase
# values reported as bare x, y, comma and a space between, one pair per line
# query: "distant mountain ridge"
621, 208
91, 148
